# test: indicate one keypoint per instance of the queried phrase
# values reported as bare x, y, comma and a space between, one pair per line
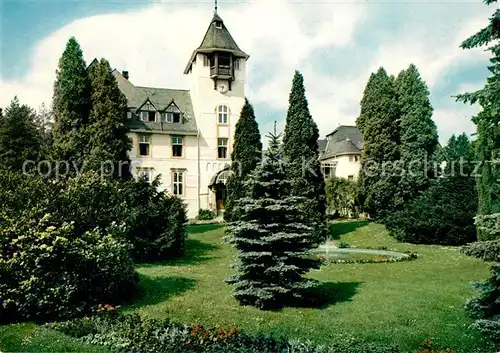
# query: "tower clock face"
222, 87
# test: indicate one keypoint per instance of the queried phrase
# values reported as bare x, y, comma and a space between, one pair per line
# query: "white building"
186, 136
340, 153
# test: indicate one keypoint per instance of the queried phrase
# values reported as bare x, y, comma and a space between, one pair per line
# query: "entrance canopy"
220, 177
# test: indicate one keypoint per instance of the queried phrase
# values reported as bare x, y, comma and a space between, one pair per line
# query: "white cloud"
154, 44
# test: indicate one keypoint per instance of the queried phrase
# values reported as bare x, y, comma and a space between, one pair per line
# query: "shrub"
443, 214
341, 197
150, 220
343, 244
486, 307
205, 215
489, 225
484, 250
130, 333
50, 271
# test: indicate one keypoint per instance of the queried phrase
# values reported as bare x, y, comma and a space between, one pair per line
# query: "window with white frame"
145, 173
236, 64
328, 169
144, 145
353, 158
222, 114
178, 182
177, 146
173, 114
148, 116
222, 148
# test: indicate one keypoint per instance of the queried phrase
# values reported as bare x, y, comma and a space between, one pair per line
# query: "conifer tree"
379, 125
418, 133
71, 104
488, 120
20, 139
272, 240
107, 128
247, 152
300, 147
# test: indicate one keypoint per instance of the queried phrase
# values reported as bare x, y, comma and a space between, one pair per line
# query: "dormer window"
173, 114
218, 24
148, 112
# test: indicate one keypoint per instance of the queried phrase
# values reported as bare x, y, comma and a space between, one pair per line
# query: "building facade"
340, 153
186, 136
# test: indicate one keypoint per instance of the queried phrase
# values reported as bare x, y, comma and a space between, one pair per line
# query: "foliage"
484, 250
418, 135
341, 197
486, 307
152, 221
205, 215
488, 120
20, 139
71, 105
107, 128
426, 346
344, 245
444, 213
272, 240
378, 122
246, 154
489, 225
49, 271
300, 147
130, 333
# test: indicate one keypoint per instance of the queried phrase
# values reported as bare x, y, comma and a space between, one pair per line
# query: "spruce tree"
20, 139
71, 105
107, 128
272, 240
247, 152
418, 134
379, 125
300, 147
488, 120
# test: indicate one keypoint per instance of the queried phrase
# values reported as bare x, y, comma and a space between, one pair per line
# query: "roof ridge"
170, 89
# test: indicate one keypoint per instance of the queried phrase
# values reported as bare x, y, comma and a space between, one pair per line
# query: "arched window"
222, 114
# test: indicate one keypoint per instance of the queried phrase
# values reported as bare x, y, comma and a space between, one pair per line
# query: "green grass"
403, 302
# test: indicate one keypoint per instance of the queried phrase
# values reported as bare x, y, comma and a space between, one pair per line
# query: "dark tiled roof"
217, 38
343, 140
322, 145
161, 98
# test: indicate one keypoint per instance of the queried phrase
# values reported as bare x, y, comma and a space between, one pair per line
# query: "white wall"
162, 162
345, 168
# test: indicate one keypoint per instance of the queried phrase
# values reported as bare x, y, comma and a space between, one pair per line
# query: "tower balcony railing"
221, 70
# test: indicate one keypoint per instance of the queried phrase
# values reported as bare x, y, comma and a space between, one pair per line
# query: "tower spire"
215, 6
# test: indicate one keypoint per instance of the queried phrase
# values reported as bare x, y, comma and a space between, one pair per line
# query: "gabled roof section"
343, 140
161, 98
217, 38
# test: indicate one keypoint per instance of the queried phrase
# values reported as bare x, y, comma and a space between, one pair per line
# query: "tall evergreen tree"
488, 120
20, 139
247, 152
272, 240
300, 146
71, 104
107, 128
418, 133
379, 124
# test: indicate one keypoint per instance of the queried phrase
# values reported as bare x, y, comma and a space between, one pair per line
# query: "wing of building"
340, 152
186, 136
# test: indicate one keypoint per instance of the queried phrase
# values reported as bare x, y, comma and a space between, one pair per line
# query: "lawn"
403, 302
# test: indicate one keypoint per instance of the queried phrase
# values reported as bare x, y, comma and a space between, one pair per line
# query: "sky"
335, 44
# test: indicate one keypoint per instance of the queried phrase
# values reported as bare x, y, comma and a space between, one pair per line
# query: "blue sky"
336, 44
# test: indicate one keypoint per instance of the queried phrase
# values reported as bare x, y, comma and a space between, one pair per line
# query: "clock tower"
217, 70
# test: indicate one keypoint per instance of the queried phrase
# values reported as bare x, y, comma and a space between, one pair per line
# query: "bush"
341, 197
344, 245
443, 214
153, 222
205, 215
489, 225
130, 333
50, 271
486, 307
484, 250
